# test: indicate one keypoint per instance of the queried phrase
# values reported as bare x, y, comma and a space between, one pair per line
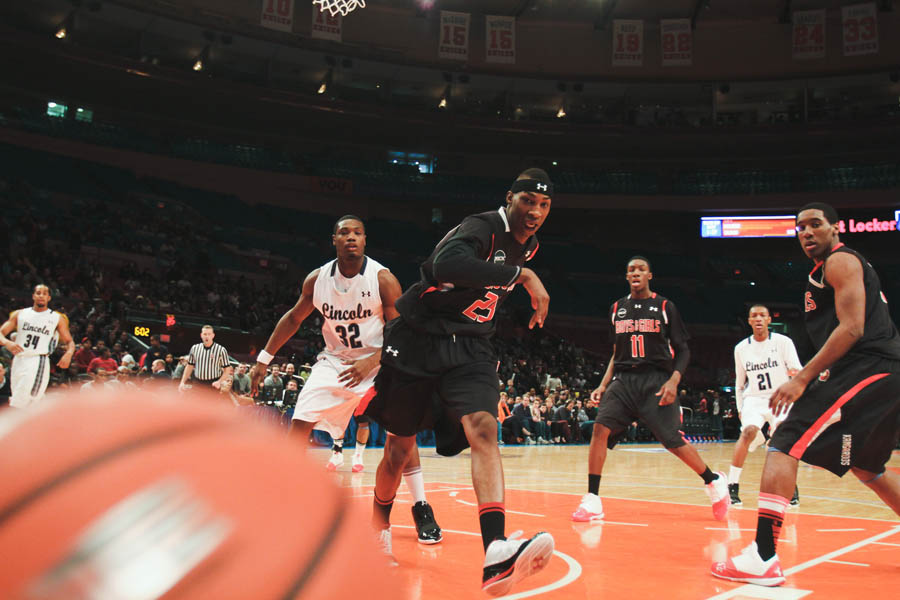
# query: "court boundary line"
747, 587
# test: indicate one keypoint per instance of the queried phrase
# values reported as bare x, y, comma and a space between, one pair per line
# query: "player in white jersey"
38, 330
762, 362
355, 296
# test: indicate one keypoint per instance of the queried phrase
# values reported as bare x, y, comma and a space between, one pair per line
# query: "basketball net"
344, 7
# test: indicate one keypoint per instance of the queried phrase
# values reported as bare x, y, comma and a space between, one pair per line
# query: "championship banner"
860, 29
628, 43
278, 15
325, 26
454, 40
500, 39
809, 34
677, 42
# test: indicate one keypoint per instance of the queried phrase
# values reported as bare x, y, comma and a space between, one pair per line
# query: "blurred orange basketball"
139, 497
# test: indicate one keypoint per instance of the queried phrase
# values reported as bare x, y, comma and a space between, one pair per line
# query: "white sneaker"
383, 539
717, 490
511, 560
529, 441
590, 509
749, 567
358, 465
335, 462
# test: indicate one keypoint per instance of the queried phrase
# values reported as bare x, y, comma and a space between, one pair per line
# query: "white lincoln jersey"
761, 367
36, 331
353, 317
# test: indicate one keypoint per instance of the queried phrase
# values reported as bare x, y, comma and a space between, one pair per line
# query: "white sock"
338, 445
734, 474
416, 483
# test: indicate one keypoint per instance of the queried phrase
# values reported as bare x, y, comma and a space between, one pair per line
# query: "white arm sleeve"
740, 380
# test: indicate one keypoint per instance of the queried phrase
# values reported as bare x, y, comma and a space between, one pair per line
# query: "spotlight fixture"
202, 59
444, 97
326, 81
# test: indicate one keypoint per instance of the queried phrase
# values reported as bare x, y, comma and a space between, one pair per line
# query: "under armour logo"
390, 350
637, 305
367, 294
654, 308
541, 186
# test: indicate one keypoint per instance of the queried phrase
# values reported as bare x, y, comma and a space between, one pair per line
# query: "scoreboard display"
778, 226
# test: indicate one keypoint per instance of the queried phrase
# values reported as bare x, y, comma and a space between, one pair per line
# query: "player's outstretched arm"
357, 370
845, 274
8, 328
540, 299
65, 336
286, 327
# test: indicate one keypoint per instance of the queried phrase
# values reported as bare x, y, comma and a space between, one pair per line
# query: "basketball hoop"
344, 7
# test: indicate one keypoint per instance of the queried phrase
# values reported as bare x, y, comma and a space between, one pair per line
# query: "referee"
207, 361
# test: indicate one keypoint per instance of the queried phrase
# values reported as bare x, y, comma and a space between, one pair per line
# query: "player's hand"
64, 362
667, 393
357, 370
540, 299
217, 385
598, 393
257, 374
13, 347
785, 395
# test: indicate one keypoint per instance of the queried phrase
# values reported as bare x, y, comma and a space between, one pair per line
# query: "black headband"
532, 185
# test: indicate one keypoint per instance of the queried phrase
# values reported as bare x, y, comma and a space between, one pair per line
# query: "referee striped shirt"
208, 362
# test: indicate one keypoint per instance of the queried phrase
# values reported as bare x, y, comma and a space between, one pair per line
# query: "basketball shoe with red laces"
749, 567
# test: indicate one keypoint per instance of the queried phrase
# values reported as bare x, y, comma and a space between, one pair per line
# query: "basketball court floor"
658, 537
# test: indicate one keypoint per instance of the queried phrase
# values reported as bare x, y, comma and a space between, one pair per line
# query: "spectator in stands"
552, 382
522, 411
117, 352
170, 363
123, 379
83, 356
129, 362
103, 361
291, 390
158, 370
156, 350
99, 378
273, 381
241, 384
541, 429
562, 433
179, 368
5, 392
289, 371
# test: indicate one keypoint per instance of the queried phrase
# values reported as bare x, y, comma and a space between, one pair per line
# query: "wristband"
264, 357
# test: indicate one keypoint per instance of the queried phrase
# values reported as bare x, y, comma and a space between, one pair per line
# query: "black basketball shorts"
631, 396
851, 419
432, 381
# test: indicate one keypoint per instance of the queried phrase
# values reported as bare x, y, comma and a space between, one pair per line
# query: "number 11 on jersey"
637, 346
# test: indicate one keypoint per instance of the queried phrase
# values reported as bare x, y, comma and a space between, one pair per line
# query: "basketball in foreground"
143, 497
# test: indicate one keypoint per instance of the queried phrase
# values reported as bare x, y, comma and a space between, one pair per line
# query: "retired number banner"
500, 39
628, 43
677, 42
325, 26
278, 15
454, 40
860, 29
809, 34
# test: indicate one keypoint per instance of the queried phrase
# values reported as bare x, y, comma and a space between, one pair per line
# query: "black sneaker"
507, 561
795, 499
733, 492
427, 528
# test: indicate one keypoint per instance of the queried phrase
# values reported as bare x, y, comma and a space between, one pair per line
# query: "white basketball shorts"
29, 378
325, 401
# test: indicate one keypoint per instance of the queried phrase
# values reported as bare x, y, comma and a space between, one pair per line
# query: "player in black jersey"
846, 413
439, 369
650, 355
